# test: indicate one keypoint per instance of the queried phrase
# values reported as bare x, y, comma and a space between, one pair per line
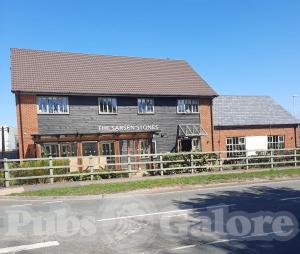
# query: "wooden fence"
50, 170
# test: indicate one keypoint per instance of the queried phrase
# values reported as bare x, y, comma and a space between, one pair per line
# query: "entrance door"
186, 145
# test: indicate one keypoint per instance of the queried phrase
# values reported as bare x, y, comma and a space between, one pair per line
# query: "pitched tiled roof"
74, 73
249, 110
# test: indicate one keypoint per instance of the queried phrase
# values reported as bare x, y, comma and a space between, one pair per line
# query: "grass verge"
105, 188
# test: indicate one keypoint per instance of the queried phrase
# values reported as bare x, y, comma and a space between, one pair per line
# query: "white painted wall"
256, 143
10, 138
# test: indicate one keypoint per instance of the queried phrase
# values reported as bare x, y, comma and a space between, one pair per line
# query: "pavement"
250, 218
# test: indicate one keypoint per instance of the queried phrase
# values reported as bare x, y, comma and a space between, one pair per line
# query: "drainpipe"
212, 126
21, 124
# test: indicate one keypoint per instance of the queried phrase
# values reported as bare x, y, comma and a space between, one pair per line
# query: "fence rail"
28, 171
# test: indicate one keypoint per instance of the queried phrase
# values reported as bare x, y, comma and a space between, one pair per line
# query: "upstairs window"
187, 106
275, 142
107, 105
53, 105
145, 105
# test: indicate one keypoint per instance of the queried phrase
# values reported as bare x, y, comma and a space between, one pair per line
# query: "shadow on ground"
258, 200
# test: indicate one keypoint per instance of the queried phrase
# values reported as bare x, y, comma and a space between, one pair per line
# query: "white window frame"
47, 106
154, 147
146, 108
272, 144
108, 113
235, 143
188, 104
50, 145
198, 143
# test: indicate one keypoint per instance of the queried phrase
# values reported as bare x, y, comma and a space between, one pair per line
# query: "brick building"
72, 104
252, 122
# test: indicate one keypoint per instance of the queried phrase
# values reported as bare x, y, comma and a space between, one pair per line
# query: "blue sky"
240, 47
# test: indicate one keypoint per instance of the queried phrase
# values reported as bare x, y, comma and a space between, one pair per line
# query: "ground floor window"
153, 147
68, 149
89, 148
236, 146
50, 150
107, 149
276, 142
145, 147
195, 144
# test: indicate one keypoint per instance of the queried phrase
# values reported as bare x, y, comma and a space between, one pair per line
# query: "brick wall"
205, 109
27, 120
221, 135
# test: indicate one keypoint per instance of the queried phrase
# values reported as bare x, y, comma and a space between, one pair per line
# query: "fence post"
272, 159
6, 173
129, 162
91, 166
247, 161
51, 169
295, 157
192, 163
161, 165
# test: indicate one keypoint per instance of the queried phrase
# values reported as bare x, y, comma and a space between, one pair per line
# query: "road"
231, 219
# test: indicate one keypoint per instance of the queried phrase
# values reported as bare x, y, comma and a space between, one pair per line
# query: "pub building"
73, 104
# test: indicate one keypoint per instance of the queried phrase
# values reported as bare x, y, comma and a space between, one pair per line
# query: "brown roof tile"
74, 73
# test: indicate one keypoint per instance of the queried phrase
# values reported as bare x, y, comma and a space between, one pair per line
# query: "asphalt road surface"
256, 218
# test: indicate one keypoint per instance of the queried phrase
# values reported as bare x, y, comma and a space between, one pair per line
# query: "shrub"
179, 161
37, 172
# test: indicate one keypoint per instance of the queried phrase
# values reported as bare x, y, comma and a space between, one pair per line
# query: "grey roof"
40, 71
250, 111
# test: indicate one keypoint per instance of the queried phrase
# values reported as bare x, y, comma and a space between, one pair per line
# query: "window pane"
145, 105
50, 105
180, 105
89, 148
114, 105
63, 105
55, 104
107, 105
195, 105
42, 105
68, 149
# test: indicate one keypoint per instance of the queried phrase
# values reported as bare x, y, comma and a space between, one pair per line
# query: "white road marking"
53, 202
20, 205
284, 199
185, 247
158, 213
29, 247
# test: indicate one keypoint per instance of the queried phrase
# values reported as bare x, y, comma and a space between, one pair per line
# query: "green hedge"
204, 159
37, 172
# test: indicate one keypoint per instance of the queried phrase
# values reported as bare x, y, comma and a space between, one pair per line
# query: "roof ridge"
228, 95
97, 55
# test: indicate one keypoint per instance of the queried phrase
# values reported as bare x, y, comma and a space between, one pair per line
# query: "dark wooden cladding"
84, 117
